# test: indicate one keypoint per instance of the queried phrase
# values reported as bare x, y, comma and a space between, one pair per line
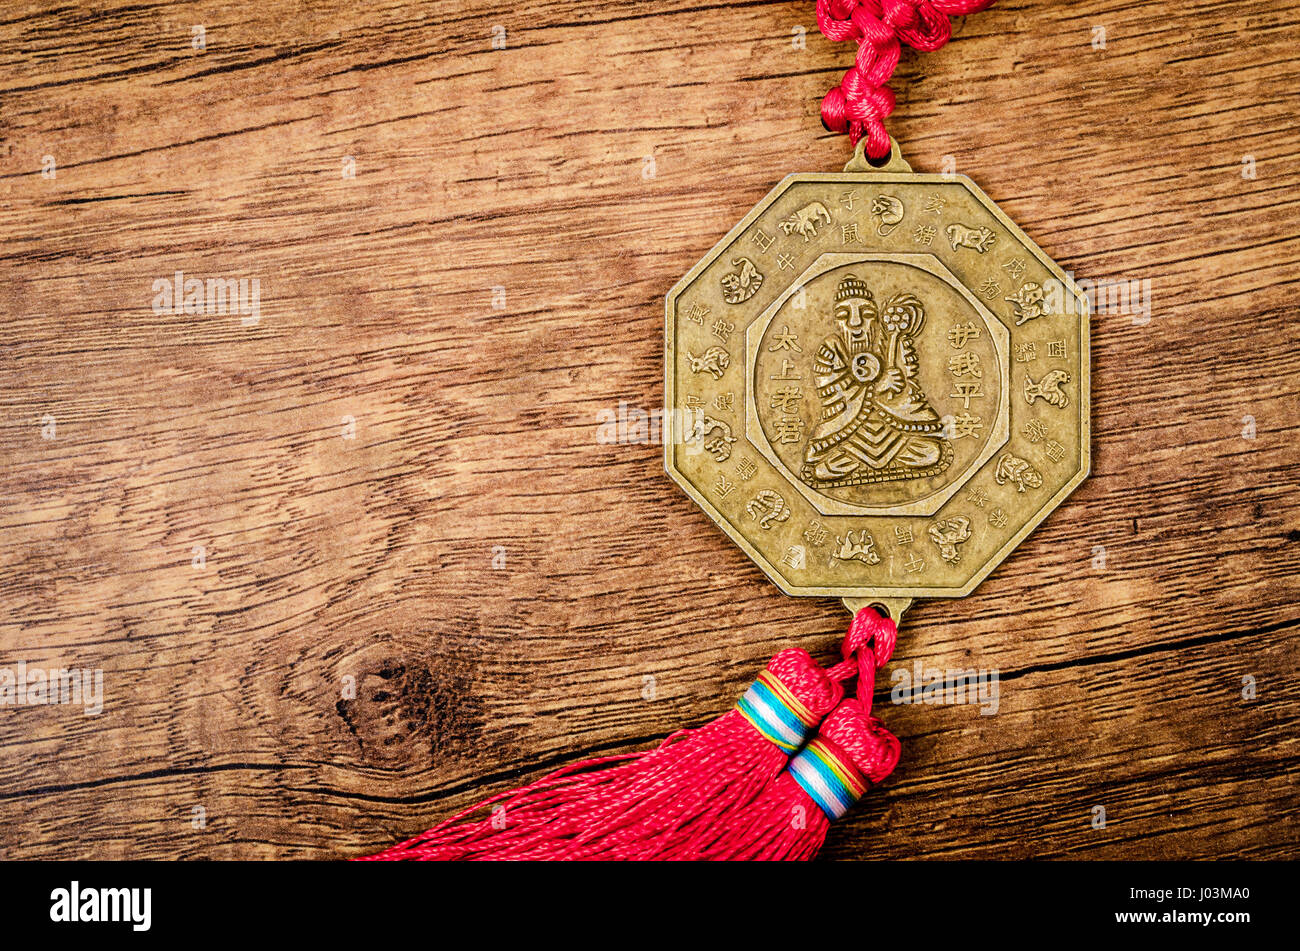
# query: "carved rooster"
1049, 388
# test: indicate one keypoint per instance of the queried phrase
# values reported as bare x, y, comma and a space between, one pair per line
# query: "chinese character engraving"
795, 556
966, 392
936, 204
966, 363
961, 334
787, 371
1035, 431
789, 429
785, 341
964, 425
787, 399
816, 534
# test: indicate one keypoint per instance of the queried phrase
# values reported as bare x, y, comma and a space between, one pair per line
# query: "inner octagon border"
999, 432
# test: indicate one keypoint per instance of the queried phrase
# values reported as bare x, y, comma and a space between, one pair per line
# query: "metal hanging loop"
860, 162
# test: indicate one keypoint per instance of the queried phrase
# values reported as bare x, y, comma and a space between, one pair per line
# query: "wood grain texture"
525, 169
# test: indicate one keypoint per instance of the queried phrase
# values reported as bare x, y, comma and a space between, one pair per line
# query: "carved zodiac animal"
739, 286
768, 507
1019, 471
888, 212
715, 437
714, 361
948, 534
961, 236
806, 220
863, 548
1049, 388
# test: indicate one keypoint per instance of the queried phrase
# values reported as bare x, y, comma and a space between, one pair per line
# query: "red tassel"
643, 805
789, 817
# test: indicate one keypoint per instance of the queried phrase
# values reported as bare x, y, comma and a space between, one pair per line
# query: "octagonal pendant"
877, 385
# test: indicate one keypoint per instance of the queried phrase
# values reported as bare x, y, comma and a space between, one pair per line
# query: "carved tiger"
739, 286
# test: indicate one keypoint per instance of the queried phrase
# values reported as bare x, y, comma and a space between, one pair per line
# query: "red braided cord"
873, 635
860, 103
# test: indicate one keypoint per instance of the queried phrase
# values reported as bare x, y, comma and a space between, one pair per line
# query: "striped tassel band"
776, 713
828, 780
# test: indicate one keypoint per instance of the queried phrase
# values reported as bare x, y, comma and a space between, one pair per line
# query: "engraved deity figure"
876, 424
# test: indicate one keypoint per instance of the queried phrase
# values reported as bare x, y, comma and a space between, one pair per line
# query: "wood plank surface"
391, 478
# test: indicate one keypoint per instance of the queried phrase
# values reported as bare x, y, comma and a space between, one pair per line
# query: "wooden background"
581, 170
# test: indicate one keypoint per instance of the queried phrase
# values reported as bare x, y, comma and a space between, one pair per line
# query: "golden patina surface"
877, 384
